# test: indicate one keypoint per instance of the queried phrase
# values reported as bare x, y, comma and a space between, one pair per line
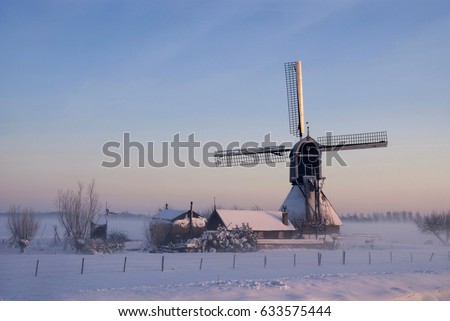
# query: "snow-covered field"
401, 266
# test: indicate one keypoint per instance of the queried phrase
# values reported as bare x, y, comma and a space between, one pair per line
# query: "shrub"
239, 239
157, 233
115, 242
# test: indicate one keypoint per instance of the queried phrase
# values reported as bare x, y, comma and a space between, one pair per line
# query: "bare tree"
76, 212
436, 224
23, 226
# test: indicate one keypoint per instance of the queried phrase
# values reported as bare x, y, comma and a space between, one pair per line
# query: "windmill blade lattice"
248, 157
353, 141
294, 97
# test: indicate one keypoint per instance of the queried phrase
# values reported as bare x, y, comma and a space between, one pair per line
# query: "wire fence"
185, 262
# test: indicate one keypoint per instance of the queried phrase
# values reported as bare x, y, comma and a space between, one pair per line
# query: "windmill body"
306, 204
308, 208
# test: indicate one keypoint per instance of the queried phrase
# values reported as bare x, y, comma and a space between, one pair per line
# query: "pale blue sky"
76, 74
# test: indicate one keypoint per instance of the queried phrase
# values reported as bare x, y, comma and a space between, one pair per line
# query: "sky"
75, 75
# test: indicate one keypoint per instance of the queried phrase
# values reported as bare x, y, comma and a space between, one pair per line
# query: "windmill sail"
353, 141
293, 72
251, 156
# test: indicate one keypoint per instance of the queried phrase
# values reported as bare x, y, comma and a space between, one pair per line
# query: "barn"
267, 224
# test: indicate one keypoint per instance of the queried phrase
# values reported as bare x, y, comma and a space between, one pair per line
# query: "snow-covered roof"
172, 215
196, 222
257, 220
169, 214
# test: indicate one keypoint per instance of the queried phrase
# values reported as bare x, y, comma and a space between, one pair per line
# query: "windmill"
108, 212
307, 206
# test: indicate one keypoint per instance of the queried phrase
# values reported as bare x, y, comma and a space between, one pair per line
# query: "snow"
196, 222
416, 272
296, 206
258, 220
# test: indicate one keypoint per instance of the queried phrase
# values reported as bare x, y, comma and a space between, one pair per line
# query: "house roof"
169, 214
257, 220
173, 215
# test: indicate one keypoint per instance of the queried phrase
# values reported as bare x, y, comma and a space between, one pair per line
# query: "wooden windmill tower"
306, 204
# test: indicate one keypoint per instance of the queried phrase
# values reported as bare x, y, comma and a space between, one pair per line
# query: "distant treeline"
395, 216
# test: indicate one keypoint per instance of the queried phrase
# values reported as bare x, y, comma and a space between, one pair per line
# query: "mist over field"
403, 264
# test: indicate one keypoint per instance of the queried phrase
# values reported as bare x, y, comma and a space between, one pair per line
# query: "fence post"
319, 258
411, 258
431, 256
370, 258
234, 261
162, 264
124, 264
37, 267
265, 261
295, 259
201, 263
343, 257
82, 265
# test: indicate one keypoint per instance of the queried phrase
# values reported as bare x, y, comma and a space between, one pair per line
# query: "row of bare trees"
437, 224
389, 216
76, 208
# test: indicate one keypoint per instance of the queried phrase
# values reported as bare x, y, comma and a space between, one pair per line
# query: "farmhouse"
183, 223
177, 216
267, 224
